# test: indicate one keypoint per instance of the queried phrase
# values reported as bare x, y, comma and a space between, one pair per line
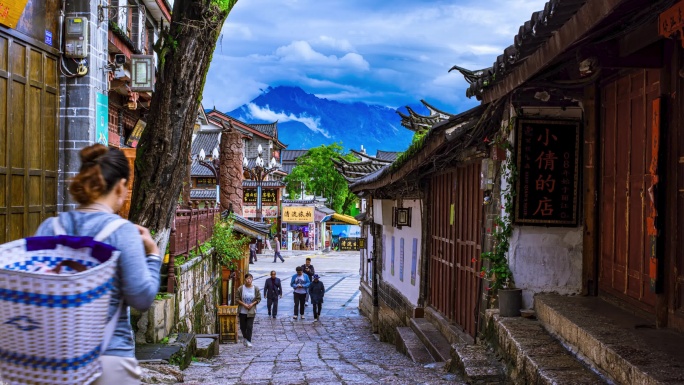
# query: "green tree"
184, 50
315, 173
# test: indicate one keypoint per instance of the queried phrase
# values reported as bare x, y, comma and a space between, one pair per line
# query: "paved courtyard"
340, 349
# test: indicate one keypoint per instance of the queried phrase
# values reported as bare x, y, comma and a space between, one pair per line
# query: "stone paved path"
340, 349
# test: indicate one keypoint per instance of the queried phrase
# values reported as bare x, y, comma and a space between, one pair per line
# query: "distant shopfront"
298, 228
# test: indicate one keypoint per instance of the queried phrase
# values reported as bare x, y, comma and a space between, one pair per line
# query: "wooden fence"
190, 229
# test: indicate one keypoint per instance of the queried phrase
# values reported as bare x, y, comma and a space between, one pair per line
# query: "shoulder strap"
109, 229
57, 227
111, 325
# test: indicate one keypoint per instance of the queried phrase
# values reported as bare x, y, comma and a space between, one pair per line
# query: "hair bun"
91, 153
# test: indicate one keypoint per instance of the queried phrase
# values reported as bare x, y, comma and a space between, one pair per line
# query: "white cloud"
265, 113
301, 52
339, 44
373, 51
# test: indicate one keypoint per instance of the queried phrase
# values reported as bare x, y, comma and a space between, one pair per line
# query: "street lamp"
258, 173
212, 165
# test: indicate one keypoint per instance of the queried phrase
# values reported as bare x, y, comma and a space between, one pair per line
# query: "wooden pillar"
590, 163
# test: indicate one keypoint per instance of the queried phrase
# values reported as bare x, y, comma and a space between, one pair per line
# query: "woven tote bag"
54, 326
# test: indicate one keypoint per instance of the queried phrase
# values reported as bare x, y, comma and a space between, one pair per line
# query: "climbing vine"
497, 270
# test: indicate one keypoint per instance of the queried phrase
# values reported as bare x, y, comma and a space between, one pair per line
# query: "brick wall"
395, 310
78, 100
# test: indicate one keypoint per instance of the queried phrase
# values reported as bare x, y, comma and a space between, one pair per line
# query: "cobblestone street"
340, 349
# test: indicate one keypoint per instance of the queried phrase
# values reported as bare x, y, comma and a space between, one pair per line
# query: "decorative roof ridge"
434, 110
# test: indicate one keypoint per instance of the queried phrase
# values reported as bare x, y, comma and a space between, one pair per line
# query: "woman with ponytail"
100, 190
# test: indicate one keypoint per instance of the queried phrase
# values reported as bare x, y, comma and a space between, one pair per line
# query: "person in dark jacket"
309, 271
272, 291
316, 291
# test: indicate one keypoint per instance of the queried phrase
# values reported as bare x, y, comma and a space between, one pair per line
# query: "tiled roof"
386, 155
203, 194
266, 183
417, 122
291, 155
269, 129
207, 140
197, 169
250, 228
451, 130
530, 37
287, 167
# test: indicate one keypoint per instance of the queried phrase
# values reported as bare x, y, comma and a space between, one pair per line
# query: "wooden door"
455, 244
28, 137
624, 204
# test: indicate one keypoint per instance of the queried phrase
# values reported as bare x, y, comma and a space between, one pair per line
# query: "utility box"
76, 37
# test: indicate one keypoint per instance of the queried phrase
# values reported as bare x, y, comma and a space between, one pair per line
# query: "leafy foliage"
497, 270
228, 245
315, 173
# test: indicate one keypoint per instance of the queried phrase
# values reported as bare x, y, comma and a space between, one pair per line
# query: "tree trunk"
161, 166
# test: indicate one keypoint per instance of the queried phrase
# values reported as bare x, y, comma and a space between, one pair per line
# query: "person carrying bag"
100, 188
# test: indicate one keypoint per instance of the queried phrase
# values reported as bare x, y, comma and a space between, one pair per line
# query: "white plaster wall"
546, 260
383, 216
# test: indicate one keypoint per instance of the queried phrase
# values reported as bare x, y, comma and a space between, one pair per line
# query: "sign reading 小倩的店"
298, 214
547, 159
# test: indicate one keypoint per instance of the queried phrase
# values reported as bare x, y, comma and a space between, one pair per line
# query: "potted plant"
229, 247
497, 270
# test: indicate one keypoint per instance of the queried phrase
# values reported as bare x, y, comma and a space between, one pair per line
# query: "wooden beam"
589, 16
641, 37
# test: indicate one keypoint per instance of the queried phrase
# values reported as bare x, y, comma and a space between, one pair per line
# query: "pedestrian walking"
277, 251
273, 291
248, 297
310, 271
252, 252
317, 291
300, 283
100, 188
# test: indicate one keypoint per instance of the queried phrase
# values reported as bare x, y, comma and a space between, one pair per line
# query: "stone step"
532, 355
410, 345
625, 345
436, 344
207, 345
476, 364
178, 351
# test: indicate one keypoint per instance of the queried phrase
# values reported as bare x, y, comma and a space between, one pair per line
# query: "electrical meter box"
76, 39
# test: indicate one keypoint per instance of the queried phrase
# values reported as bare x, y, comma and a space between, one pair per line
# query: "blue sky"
391, 53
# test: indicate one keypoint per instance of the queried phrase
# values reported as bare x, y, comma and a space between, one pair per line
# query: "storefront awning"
344, 218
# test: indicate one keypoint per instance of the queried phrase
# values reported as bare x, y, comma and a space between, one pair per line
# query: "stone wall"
366, 300
198, 288
191, 310
395, 310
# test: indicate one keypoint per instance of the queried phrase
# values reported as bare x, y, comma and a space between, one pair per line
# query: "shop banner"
297, 214
266, 211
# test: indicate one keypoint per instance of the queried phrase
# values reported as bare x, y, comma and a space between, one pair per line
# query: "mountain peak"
306, 121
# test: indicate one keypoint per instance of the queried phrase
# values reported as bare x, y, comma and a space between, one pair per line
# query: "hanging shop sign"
10, 12
266, 211
547, 158
136, 134
352, 244
267, 195
671, 21
298, 214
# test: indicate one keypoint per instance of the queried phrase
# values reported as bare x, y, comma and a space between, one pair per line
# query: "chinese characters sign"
672, 21
548, 172
267, 196
266, 211
298, 214
10, 11
352, 244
